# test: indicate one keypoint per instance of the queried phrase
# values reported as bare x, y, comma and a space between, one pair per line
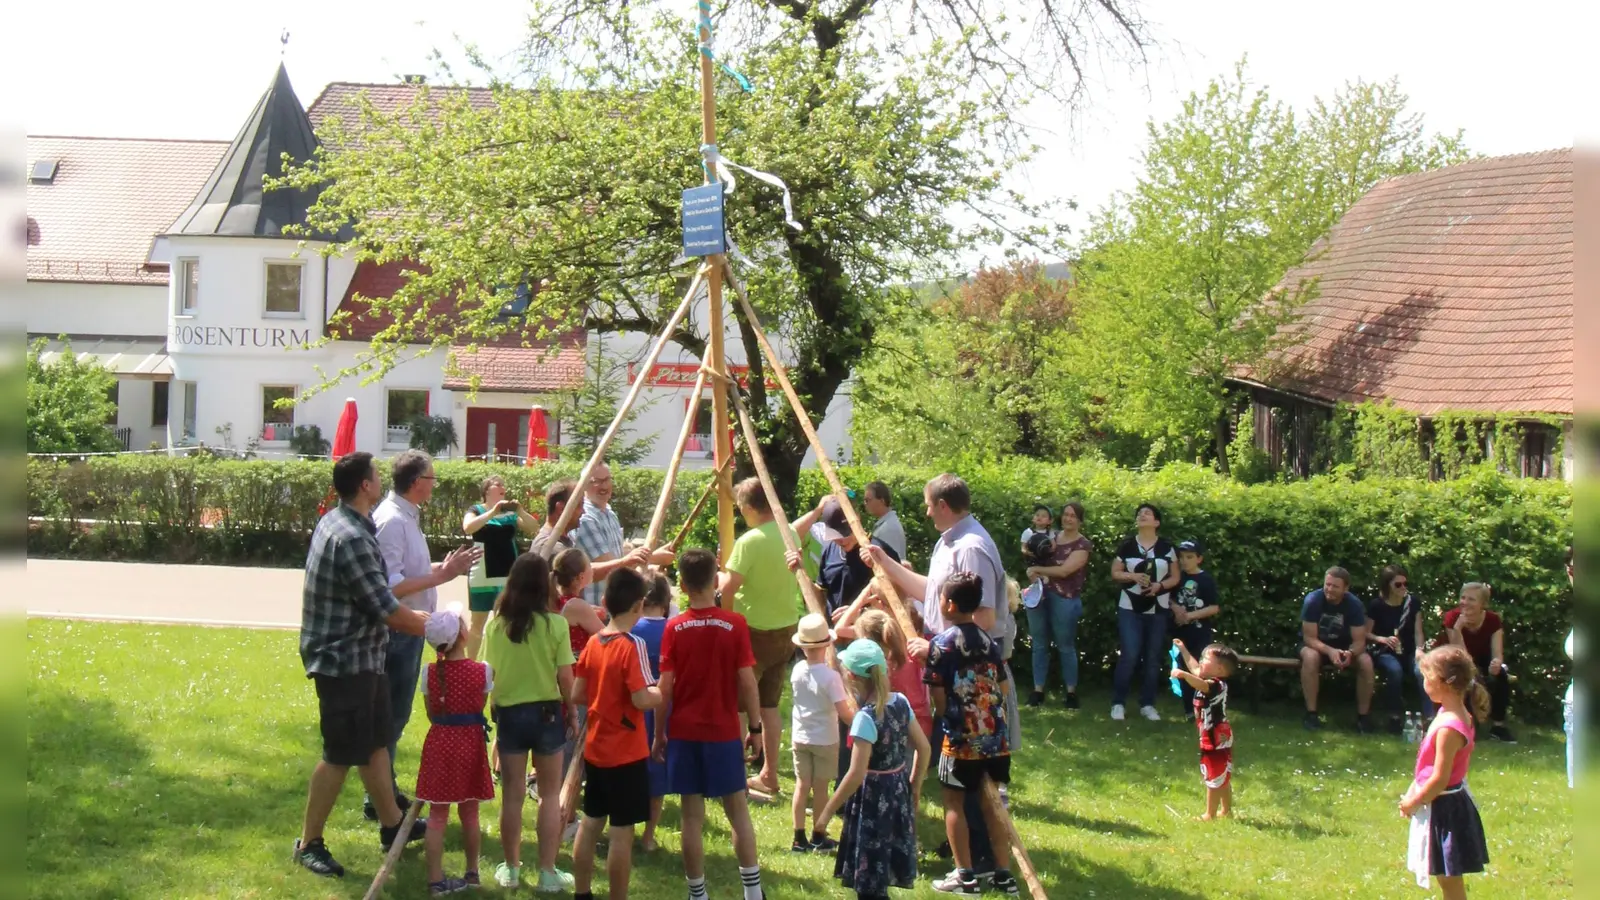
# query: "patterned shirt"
405, 549
599, 534
346, 599
1211, 715
965, 662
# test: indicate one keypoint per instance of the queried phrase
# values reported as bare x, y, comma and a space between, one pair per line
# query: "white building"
167, 261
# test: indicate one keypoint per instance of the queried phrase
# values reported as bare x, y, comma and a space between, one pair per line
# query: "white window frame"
185, 302
404, 434
266, 268
261, 394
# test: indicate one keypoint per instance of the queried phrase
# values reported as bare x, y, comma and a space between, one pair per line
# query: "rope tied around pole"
712, 159
708, 47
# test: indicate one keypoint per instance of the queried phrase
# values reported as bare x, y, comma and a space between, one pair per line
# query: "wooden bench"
1253, 693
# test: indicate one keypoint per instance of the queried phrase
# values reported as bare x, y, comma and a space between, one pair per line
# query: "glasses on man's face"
425, 477
1400, 584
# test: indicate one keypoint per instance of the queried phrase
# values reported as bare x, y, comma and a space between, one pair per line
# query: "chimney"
415, 79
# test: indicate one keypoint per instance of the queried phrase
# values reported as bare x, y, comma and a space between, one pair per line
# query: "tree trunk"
1220, 438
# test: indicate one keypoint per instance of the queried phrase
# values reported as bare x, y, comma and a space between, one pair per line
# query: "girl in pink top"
1447, 839
905, 666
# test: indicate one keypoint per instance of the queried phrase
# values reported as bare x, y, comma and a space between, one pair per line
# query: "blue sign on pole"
703, 233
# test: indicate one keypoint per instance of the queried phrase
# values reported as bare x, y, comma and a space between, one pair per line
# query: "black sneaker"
370, 812
1363, 725
800, 847
1397, 725
1503, 734
1072, 700
943, 851
1036, 698
1311, 722
315, 858
1004, 882
826, 845
387, 833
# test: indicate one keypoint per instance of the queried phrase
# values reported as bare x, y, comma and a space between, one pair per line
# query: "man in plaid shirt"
600, 536
346, 613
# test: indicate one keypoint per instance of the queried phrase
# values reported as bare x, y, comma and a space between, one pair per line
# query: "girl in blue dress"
888, 757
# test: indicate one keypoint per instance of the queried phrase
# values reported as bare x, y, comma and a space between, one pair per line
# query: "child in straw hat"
820, 704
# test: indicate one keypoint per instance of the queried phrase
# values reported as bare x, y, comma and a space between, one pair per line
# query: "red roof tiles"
502, 364
109, 199
342, 100
1445, 290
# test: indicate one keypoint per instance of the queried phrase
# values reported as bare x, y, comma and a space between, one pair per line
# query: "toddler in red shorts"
1209, 677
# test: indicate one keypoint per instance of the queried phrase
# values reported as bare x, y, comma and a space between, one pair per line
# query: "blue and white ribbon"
724, 167
708, 47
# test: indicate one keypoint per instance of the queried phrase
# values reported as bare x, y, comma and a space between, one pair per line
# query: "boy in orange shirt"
613, 679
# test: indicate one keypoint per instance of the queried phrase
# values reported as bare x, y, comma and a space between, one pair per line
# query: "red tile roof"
516, 369
341, 100
1444, 290
109, 199
502, 364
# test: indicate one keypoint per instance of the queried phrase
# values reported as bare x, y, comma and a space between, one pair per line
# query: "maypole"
716, 359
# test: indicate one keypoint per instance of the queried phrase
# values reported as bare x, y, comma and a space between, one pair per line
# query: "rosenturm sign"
239, 336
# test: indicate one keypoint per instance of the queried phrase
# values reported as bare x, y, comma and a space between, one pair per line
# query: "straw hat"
813, 632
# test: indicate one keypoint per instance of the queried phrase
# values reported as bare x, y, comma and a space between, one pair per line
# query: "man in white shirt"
414, 580
880, 505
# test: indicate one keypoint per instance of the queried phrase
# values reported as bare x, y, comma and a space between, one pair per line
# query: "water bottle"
1411, 728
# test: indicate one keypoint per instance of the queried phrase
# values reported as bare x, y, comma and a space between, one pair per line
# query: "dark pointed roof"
232, 202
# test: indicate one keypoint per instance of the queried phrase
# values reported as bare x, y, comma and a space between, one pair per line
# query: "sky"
1509, 76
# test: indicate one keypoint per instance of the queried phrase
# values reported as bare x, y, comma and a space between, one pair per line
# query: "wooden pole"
395, 849
808, 590
896, 605
711, 487
670, 480
722, 445
895, 602
569, 784
575, 505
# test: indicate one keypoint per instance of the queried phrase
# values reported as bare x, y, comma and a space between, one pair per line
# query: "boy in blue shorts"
707, 673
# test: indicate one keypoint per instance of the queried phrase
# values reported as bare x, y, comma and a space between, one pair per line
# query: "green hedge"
1269, 544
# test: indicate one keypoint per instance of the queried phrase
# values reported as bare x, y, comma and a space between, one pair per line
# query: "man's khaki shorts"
774, 651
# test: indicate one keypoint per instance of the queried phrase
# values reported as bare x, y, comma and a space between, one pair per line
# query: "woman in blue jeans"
1146, 566
1055, 614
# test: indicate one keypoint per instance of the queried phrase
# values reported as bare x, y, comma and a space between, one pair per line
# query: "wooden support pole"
721, 440
711, 487
892, 598
670, 480
395, 849
808, 590
896, 603
574, 776
575, 505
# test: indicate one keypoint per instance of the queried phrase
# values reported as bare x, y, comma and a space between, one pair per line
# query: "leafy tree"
69, 404
1176, 282
893, 122
433, 434
967, 378
590, 410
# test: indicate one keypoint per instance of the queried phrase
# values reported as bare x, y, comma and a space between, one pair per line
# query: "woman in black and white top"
1146, 566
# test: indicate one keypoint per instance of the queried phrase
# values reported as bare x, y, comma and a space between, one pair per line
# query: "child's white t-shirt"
813, 719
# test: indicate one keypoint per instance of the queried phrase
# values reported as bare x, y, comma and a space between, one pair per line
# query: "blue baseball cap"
862, 656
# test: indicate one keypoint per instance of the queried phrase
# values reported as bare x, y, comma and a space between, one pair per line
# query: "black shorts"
355, 716
621, 794
967, 774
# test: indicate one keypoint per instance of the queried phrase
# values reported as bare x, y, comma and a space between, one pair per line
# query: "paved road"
150, 592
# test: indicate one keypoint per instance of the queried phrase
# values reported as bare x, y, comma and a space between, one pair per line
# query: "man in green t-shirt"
758, 585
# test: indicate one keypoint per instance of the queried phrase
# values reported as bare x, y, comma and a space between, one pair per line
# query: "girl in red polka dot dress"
455, 757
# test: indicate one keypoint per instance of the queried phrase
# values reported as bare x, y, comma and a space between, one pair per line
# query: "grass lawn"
171, 762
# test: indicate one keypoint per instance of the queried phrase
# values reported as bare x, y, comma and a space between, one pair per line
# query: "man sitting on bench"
1333, 626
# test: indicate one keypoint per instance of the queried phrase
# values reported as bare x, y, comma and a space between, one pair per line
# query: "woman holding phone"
493, 525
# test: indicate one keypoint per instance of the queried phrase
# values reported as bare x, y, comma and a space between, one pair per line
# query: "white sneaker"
1149, 712
1117, 713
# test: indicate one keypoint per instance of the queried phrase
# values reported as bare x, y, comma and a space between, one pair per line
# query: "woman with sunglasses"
1396, 644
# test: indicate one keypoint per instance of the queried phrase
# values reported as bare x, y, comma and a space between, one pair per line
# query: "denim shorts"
537, 728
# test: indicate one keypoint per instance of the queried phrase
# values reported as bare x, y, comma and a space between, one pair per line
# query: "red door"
495, 433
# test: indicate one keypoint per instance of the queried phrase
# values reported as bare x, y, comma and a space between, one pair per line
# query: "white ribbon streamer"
724, 169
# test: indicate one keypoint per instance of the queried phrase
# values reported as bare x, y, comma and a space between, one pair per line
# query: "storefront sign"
239, 336
682, 375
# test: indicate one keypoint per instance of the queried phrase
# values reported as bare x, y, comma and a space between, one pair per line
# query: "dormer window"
283, 289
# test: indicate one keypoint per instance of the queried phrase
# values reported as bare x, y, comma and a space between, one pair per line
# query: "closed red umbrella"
344, 443
344, 437
538, 436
